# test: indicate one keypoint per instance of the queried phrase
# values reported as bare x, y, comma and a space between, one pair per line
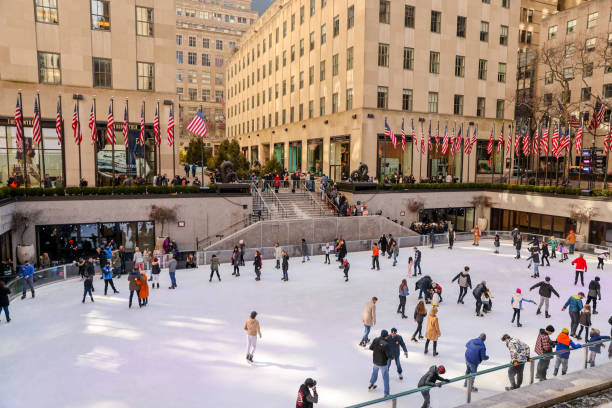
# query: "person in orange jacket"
571, 240
375, 253
143, 293
581, 268
477, 235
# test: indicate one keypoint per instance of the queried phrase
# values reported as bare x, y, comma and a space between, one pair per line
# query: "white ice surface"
187, 348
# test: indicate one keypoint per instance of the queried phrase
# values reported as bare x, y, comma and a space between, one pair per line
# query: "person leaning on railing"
544, 345
519, 354
431, 378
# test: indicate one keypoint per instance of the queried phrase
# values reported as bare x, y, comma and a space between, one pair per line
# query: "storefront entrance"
339, 157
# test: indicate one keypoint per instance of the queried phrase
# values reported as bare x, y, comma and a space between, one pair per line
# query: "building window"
179, 57
480, 107
350, 17
459, 66
312, 7
349, 58
179, 90
144, 21
292, 53
506, 3
218, 78
382, 95
336, 26
100, 15
334, 102
569, 50
205, 43
322, 71
219, 44
206, 96
323, 34
192, 41
311, 75
548, 78
384, 11
383, 55
310, 109
322, 106
292, 83
408, 16
192, 58
588, 70
146, 76
607, 91
499, 109
301, 15
458, 105
407, 100
552, 32
301, 112
486, 1
482, 69
193, 94
585, 94
592, 20
205, 77
461, 26
179, 39
179, 75
484, 31
205, 60
49, 68
568, 73
218, 96
335, 65
432, 102
102, 73
434, 62
284, 29
218, 61
590, 44
436, 21
571, 27
349, 99
408, 58
284, 58
302, 47
312, 41
503, 35
46, 11
547, 99
301, 79
501, 72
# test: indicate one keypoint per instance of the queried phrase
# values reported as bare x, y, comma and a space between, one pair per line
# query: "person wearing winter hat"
594, 293
475, 353
307, 394
252, 328
155, 271
563, 343
429, 379
544, 345
594, 350
395, 342
517, 304
381, 354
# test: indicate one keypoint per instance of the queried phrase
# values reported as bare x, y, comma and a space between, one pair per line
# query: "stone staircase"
298, 205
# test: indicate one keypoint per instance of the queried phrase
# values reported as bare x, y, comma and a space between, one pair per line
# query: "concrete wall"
287, 232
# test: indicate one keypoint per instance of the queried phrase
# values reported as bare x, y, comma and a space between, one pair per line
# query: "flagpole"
512, 152
536, 148
113, 142
461, 146
421, 154
126, 141
95, 143
382, 165
493, 151
80, 141
607, 138
567, 156
547, 149
63, 142
144, 144
412, 150
41, 146
557, 157
202, 150
173, 151
469, 152
158, 145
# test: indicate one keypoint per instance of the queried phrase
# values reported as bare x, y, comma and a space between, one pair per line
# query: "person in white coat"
278, 254
517, 304
369, 319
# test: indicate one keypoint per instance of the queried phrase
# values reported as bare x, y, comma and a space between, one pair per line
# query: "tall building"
102, 49
207, 32
313, 83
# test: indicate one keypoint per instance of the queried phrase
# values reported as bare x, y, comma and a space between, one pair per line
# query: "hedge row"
495, 186
6, 192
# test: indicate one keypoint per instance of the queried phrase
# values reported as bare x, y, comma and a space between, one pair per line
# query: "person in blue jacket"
563, 343
475, 353
395, 342
107, 274
27, 272
596, 349
575, 306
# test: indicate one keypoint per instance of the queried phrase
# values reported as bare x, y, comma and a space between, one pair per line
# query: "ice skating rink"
187, 348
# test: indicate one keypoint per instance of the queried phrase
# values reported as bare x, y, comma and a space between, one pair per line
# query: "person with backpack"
563, 343
465, 281
381, 354
546, 290
519, 354
431, 378
594, 293
307, 394
285, 264
544, 345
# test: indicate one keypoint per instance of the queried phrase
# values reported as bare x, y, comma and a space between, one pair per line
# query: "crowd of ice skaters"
387, 347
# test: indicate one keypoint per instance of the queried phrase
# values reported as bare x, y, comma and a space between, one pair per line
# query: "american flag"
76, 125
422, 140
452, 140
571, 119
156, 126
19, 126
445, 140
414, 138
388, 131
110, 126
429, 145
197, 125
92, 124
500, 141
526, 143
608, 138
58, 123
555, 140
142, 126
517, 143
36, 123
125, 128
564, 143
171, 127
509, 141
438, 137
459, 139
403, 137
536, 142
598, 114
469, 143
579, 139
544, 142
490, 144
474, 138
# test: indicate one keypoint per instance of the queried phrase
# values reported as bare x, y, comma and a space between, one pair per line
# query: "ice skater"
534, 259
403, 292
133, 277
253, 330
171, 271
465, 281
561, 359
107, 274
381, 356
305, 256
584, 323
368, 318
546, 290
545, 254
518, 243
375, 253
278, 254
214, 267
581, 268
432, 332
236, 261
431, 378
478, 291
285, 264
346, 266
87, 287
575, 306
4, 300
257, 264
420, 311
496, 243
410, 264
26, 271
594, 350
143, 292
594, 293
553, 247
517, 305
475, 353
395, 250
424, 285
477, 233
155, 271
417, 261
395, 342
544, 345
519, 354
451, 237
307, 394
327, 252
600, 259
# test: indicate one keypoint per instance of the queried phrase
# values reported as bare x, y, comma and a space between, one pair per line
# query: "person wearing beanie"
575, 306
252, 328
395, 342
585, 322
545, 292
517, 304
475, 353
594, 350
581, 268
544, 345
563, 343
429, 379
307, 394
594, 293
519, 354
155, 271
346, 265
381, 356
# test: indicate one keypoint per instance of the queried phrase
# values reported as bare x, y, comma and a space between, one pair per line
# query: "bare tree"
582, 214
162, 215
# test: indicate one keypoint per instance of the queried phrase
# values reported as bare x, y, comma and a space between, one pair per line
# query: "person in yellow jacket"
368, 318
477, 233
252, 328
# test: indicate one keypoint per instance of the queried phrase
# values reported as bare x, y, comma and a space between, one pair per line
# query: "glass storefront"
506, 220
600, 233
315, 156
462, 218
339, 157
254, 156
440, 165
295, 156
41, 159
485, 163
393, 160
6, 256
279, 153
67, 242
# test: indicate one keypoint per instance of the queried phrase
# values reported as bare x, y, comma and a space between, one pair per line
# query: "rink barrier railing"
470, 377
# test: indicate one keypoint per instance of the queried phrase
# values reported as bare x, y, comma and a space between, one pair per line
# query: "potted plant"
20, 223
583, 216
481, 203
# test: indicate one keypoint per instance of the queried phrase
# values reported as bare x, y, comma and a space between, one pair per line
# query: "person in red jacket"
581, 268
276, 183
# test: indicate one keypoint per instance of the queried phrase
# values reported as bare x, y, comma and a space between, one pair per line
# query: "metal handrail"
279, 204
255, 191
220, 234
470, 377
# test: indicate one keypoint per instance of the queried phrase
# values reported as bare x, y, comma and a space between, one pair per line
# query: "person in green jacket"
214, 267
553, 246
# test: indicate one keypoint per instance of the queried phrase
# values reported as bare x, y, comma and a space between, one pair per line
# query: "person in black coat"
594, 293
90, 271
88, 287
545, 253
307, 394
257, 264
380, 357
477, 292
545, 292
429, 379
346, 266
518, 243
424, 285
382, 243
4, 300
285, 265
464, 281
395, 342
417, 261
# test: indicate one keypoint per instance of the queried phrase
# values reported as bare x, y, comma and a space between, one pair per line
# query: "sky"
261, 5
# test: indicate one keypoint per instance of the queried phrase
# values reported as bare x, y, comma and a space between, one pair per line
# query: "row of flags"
197, 125
525, 143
